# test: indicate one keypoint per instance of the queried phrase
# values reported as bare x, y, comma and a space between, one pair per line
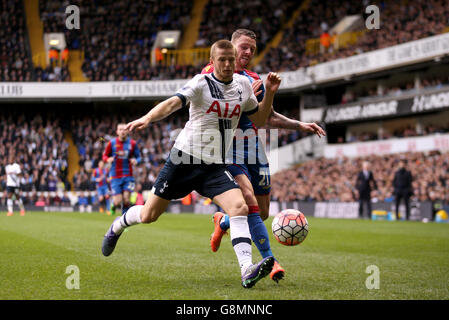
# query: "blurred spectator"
84, 202
65, 200
65, 56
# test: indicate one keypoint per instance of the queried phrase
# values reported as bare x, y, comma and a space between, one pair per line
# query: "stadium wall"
420, 210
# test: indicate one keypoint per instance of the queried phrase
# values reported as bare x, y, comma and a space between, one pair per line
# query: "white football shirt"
215, 110
12, 175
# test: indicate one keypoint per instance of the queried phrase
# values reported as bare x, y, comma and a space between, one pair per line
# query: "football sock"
20, 202
129, 218
224, 223
125, 208
9, 203
241, 240
259, 233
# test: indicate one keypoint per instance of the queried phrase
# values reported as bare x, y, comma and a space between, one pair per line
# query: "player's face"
246, 48
224, 64
121, 132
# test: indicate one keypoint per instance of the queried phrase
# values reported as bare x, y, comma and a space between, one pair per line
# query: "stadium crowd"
395, 90
15, 62
404, 132
334, 179
39, 147
265, 18
117, 37
400, 22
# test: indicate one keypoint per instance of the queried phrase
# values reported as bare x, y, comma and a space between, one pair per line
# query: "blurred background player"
100, 176
13, 173
121, 153
254, 179
363, 184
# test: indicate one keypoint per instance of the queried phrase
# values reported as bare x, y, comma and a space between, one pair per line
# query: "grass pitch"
171, 259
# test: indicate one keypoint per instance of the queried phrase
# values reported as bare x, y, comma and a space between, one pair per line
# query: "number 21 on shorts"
265, 178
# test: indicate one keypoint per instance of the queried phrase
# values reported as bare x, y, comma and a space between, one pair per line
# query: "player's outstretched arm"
272, 84
277, 120
159, 112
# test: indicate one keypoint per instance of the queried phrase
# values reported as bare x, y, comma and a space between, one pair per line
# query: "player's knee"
148, 216
239, 208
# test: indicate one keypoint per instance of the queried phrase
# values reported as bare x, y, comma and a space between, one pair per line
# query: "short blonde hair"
222, 44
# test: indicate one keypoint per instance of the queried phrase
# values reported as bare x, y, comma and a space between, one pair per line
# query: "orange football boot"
215, 239
277, 273
9, 214
22, 212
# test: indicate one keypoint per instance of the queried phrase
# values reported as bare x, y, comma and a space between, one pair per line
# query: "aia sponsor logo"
226, 111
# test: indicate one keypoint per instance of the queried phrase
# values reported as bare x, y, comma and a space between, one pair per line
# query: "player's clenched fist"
272, 82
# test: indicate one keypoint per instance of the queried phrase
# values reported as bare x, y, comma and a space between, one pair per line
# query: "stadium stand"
405, 87
38, 144
265, 18
402, 22
15, 64
118, 36
334, 179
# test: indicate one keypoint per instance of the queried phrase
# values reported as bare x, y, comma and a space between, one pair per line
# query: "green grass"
171, 259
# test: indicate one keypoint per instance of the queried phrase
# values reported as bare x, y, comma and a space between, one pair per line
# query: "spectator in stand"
65, 200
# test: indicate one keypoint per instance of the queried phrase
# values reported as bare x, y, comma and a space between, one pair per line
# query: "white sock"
241, 240
130, 218
20, 203
9, 203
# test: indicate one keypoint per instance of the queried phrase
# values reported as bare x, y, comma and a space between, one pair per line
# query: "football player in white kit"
197, 159
13, 173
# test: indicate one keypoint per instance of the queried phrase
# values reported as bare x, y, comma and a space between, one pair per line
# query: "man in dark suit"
363, 185
402, 184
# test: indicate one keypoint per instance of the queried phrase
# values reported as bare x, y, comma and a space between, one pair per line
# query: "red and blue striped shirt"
98, 173
122, 151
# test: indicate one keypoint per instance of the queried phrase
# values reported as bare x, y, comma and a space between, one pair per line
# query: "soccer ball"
290, 227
